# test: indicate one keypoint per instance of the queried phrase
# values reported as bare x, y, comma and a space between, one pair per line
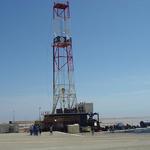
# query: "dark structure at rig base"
62, 120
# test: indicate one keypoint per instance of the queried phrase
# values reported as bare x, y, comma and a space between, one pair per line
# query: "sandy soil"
61, 141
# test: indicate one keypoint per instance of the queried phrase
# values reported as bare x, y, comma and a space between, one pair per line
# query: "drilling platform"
65, 110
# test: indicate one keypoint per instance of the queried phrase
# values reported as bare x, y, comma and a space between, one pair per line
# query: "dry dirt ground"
61, 141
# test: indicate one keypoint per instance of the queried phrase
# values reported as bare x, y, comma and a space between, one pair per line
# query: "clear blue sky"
111, 46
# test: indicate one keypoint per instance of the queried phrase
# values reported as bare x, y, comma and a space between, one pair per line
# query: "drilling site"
66, 109
68, 114
70, 123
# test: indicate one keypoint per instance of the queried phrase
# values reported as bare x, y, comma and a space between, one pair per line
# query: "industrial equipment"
144, 124
65, 111
64, 94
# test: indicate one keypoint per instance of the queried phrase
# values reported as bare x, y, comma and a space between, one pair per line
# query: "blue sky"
111, 56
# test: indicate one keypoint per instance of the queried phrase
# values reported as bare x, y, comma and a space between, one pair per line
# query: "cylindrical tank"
144, 124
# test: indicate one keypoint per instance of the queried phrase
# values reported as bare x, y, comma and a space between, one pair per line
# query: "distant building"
9, 128
24, 126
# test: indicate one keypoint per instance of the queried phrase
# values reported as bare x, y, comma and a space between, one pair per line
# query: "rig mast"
64, 95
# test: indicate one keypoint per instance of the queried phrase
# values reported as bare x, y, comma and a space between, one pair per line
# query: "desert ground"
62, 141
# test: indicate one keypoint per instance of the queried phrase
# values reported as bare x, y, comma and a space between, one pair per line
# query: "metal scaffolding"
64, 94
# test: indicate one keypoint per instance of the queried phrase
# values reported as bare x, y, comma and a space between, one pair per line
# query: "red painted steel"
64, 95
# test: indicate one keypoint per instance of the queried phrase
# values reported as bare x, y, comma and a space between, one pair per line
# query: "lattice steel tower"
64, 95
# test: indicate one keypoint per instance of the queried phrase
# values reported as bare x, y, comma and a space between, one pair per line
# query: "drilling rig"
64, 94
65, 109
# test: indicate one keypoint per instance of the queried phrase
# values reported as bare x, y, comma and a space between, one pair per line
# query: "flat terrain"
61, 141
